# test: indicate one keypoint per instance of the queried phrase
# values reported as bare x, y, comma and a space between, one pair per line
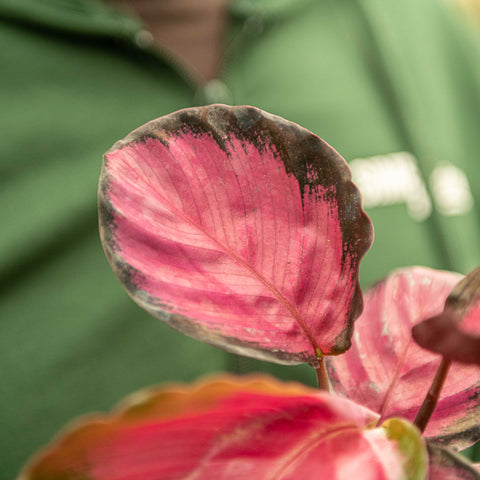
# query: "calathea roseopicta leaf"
386, 371
444, 335
455, 333
444, 464
253, 428
238, 228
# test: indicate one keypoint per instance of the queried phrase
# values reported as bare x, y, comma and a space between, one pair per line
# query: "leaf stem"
322, 376
431, 399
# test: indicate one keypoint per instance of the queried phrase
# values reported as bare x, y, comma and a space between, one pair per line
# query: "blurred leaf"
411, 446
386, 371
253, 428
444, 464
442, 334
455, 333
239, 229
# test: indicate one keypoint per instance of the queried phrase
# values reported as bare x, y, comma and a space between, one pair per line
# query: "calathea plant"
244, 231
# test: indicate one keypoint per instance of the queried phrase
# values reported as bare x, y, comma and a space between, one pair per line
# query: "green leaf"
411, 445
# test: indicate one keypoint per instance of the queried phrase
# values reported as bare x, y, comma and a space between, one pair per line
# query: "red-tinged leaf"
386, 371
239, 229
455, 333
444, 464
442, 334
254, 428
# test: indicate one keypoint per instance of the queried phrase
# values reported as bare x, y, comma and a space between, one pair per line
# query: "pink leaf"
237, 228
455, 332
253, 428
444, 464
386, 371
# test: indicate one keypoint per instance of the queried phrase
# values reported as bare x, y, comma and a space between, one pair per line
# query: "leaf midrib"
276, 293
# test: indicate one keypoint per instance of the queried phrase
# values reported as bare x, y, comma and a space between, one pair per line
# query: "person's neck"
190, 30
